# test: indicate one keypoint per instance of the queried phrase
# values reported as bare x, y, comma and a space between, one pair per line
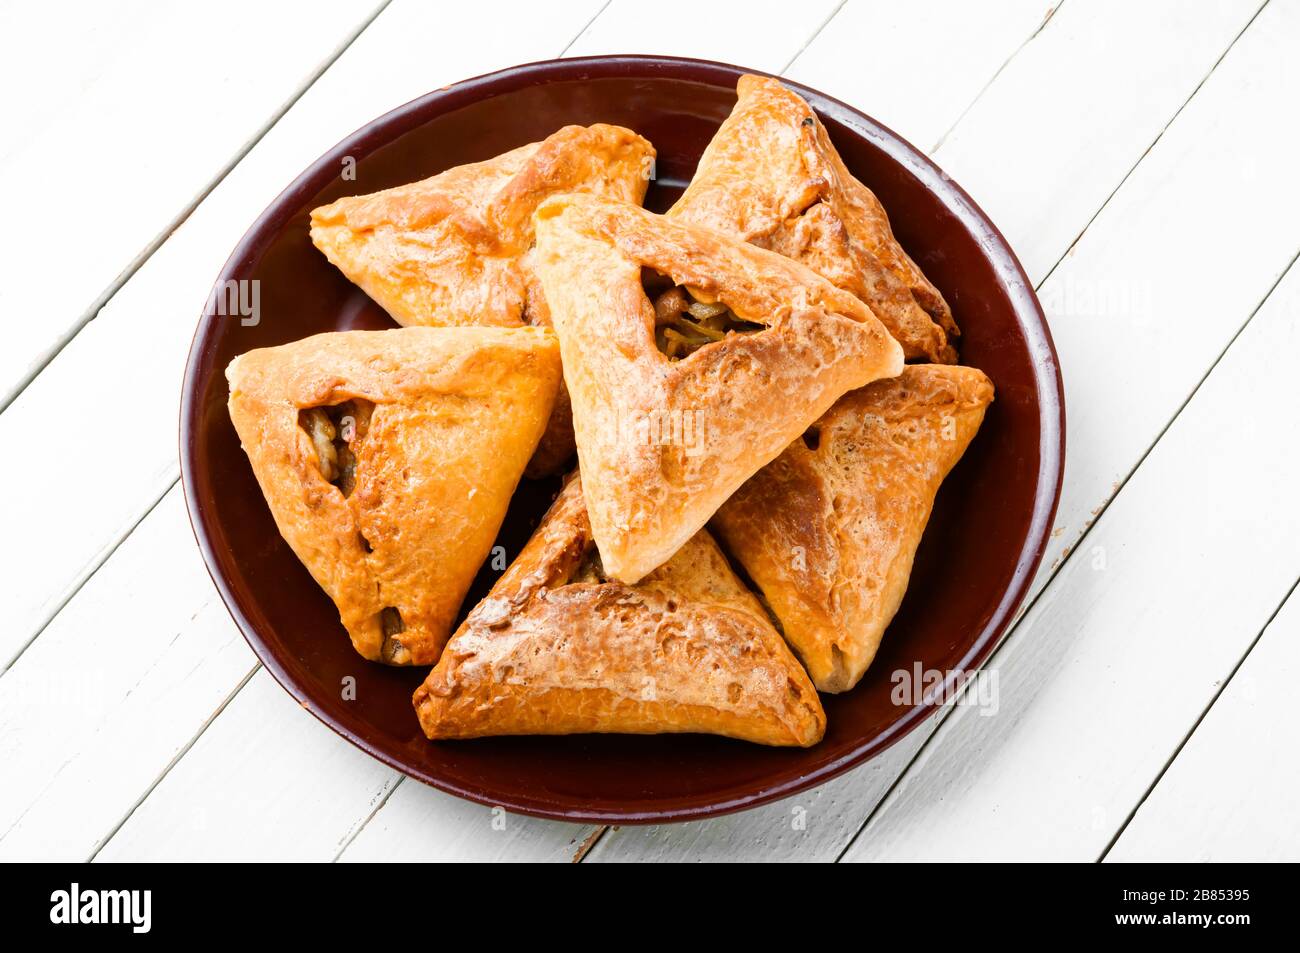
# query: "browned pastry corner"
557, 648
454, 249
829, 529
772, 177
678, 401
388, 459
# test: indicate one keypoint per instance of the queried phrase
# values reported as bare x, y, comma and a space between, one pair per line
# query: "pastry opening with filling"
393, 651
589, 570
688, 318
336, 434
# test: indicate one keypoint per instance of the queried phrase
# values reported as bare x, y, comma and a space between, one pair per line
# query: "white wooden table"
1141, 159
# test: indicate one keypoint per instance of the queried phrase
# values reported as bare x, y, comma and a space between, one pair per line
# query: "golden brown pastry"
679, 400
829, 529
454, 249
557, 648
772, 177
388, 459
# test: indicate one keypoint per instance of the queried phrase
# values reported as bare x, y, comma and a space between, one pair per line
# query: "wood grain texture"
420, 824
142, 316
1074, 111
1125, 649
153, 315
890, 83
265, 782
1151, 294
113, 691
1042, 131
1128, 252
1231, 793
135, 349
126, 116
812, 826
765, 36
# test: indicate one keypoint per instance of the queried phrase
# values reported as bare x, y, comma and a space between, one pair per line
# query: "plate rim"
1048, 382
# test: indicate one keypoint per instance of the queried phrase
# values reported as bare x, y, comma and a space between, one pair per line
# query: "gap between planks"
1160, 135
185, 749
1204, 714
135, 264
799, 52
578, 36
591, 840
109, 552
1051, 12
596, 835
102, 557
347, 841
594, 839
1077, 546
127, 273
601, 830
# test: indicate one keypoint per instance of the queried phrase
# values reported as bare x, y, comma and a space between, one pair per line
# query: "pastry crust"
745, 397
454, 249
456, 414
771, 176
554, 650
829, 534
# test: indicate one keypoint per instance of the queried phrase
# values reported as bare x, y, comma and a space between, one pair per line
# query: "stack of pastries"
760, 387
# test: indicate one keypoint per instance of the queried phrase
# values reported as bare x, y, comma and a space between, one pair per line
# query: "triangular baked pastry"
772, 177
557, 648
828, 530
388, 459
679, 400
453, 249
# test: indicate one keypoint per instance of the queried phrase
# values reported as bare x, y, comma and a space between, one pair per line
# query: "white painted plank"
1133, 250
107, 404
141, 319
254, 788
420, 824
760, 34
413, 824
1058, 129
112, 692
404, 785
916, 66
125, 678
266, 782
812, 826
145, 318
125, 116
147, 327
77, 50
1127, 646
1230, 795
1181, 256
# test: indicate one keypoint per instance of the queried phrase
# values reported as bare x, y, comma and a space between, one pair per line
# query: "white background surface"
1140, 157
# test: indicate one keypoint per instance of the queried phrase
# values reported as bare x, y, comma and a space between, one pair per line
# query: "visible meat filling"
393, 651
336, 434
687, 318
590, 570
323, 434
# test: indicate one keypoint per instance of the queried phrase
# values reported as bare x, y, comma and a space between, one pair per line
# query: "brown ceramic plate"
984, 542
